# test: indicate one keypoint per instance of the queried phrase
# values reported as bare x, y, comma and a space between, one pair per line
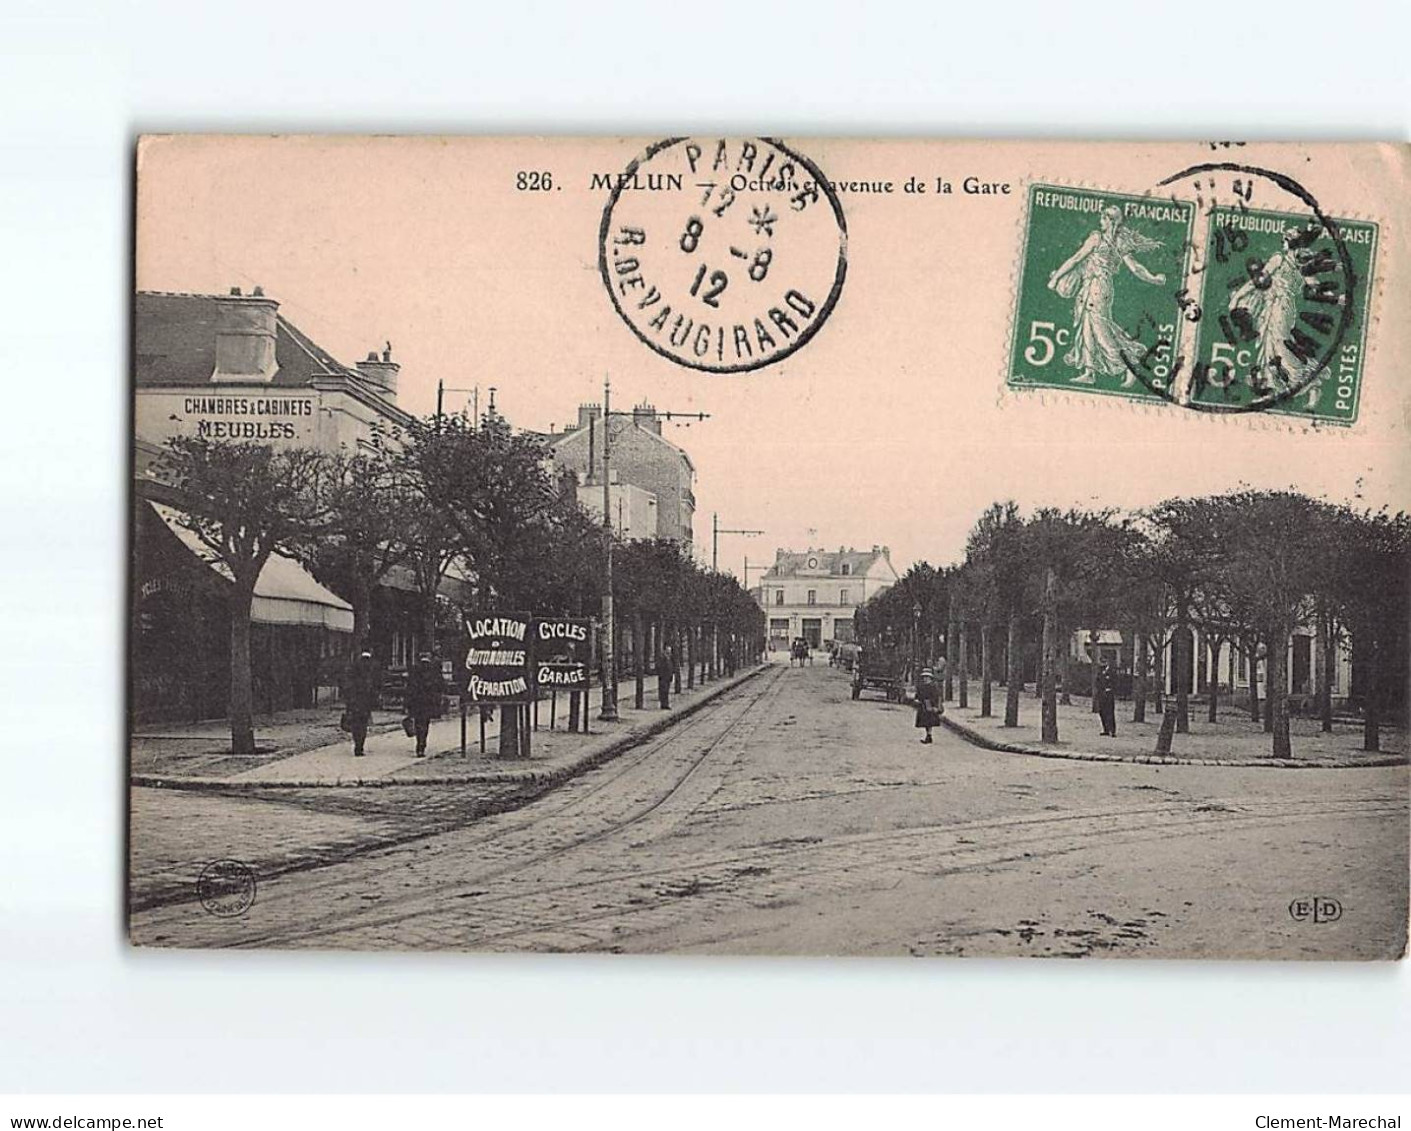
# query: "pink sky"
889, 427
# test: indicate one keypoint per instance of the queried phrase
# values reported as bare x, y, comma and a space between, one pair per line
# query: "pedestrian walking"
928, 702
425, 689
362, 686
1105, 693
666, 671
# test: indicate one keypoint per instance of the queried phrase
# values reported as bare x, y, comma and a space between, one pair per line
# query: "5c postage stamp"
1191, 293
1097, 270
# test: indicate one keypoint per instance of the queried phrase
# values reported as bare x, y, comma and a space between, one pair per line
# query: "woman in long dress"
1088, 277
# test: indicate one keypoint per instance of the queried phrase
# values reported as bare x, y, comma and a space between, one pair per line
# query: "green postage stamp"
1208, 302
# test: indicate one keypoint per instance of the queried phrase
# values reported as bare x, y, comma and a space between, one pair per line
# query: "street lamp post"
608, 712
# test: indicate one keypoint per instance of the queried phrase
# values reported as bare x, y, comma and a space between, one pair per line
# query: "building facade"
634, 511
642, 460
231, 367
814, 594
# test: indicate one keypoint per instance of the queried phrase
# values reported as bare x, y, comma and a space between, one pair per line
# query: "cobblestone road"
786, 818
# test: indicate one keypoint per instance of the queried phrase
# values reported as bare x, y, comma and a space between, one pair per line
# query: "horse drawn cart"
884, 668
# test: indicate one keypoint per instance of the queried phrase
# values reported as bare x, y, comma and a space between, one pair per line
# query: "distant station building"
813, 594
650, 479
231, 367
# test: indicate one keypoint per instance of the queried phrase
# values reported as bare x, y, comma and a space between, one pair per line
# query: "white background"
82, 1012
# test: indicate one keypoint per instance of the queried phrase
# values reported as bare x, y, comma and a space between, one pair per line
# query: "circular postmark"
723, 256
1265, 310
226, 888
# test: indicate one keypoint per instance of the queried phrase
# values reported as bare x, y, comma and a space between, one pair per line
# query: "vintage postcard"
789, 546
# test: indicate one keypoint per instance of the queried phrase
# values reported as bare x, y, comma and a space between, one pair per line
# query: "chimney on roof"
245, 332
587, 413
381, 372
644, 415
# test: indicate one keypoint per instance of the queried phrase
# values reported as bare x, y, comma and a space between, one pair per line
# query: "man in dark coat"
425, 688
1105, 693
362, 687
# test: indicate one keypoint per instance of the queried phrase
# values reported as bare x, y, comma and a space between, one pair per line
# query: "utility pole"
609, 708
442, 390
608, 713
716, 530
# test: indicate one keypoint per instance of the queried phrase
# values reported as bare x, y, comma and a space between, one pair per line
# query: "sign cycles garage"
512, 656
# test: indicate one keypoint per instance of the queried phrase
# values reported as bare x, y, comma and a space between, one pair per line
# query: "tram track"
739, 714
1004, 840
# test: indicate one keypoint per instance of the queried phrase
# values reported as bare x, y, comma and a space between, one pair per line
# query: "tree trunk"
639, 669
1163, 736
509, 731
1064, 674
1327, 657
428, 622
690, 657
1158, 698
951, 654
1181, 656
242, 692
1278, 694
1014, 679
360, 597
1139, 680
1049, 662
1092, 671
1271, 688
1253, 660
1213, 684
986, 672
1371, 700
963, 664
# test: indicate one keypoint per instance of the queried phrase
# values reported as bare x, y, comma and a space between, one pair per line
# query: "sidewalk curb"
550, 777
975, 738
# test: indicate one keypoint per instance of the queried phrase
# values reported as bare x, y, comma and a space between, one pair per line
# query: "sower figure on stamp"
361, 689
1105, 694
666, 671
1270, 302
425, 689
928, 702
1089, 278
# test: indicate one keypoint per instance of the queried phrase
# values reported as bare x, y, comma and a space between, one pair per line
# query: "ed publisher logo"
1315, 909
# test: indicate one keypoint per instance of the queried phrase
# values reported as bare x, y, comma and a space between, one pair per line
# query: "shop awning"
285, 593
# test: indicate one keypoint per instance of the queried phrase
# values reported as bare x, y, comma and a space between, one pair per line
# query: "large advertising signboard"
513, 657
498, 661
560, 648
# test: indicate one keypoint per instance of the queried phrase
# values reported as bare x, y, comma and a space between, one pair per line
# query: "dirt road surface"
787, 819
